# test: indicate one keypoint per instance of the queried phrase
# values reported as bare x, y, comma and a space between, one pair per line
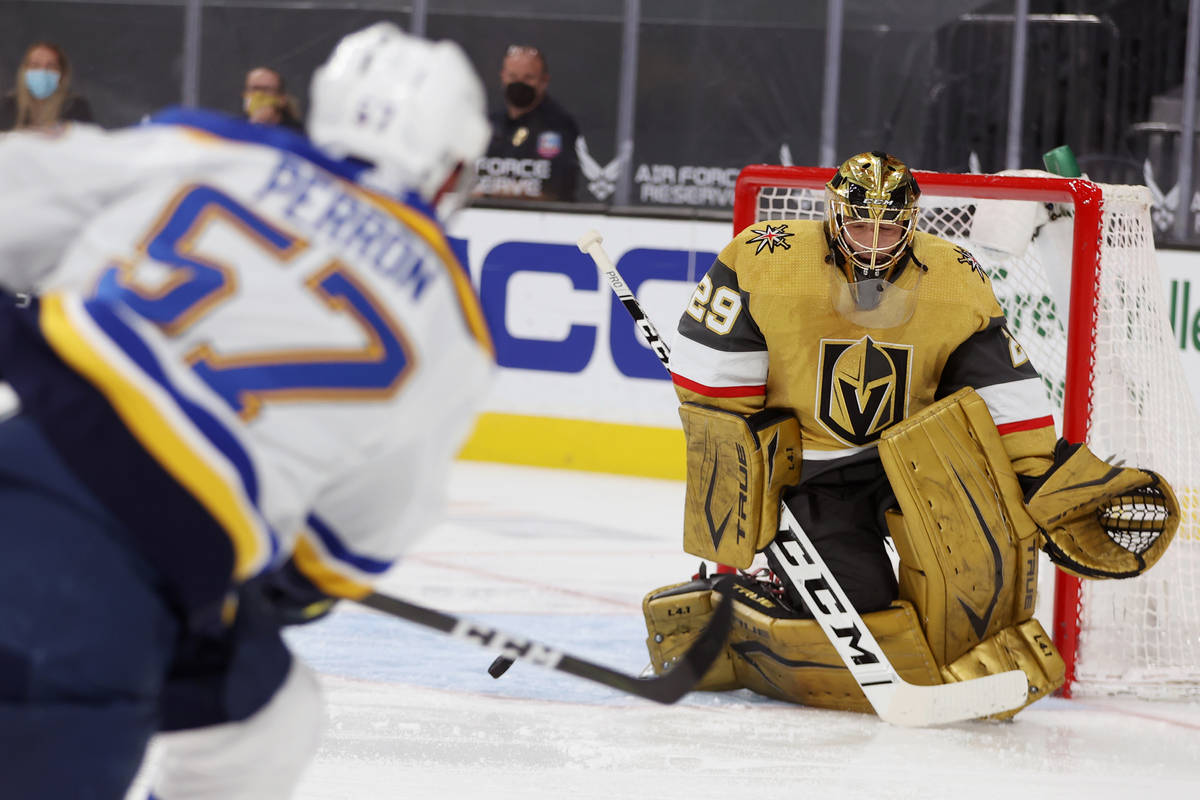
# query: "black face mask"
520, 95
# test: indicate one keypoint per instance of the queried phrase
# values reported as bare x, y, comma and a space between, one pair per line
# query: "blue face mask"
41, 82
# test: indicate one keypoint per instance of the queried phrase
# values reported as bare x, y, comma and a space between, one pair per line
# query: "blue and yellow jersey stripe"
325, 559
188, 441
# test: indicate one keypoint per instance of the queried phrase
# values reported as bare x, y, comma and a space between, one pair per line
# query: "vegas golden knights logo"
863, 387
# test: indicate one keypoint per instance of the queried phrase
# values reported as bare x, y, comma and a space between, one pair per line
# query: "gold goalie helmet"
871, 214
870, 220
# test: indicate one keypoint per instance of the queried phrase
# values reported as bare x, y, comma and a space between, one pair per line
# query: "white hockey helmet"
413, 108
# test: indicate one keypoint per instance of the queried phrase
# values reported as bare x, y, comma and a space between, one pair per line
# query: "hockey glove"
291, 597
1099, 520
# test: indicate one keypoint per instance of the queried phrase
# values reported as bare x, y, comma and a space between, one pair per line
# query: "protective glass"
875, 302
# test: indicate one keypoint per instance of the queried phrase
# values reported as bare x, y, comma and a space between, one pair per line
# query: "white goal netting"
1126, 388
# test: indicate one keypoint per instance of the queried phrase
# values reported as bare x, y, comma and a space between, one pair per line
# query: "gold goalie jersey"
761, 330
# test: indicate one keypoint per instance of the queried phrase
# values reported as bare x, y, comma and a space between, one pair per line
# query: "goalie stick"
665, 688
795, 560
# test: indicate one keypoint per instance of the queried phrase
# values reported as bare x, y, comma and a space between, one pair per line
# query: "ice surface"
565, 558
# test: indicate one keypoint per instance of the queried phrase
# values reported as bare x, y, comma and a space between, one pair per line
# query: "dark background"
719, 83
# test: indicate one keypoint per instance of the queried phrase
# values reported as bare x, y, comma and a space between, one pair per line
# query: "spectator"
42, 97
265, 100
532, 153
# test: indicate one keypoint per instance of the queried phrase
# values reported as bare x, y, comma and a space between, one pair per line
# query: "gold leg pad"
1026, 647
675, 616
791, 659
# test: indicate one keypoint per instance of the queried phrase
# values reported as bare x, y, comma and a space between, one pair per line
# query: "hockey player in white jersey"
247, 366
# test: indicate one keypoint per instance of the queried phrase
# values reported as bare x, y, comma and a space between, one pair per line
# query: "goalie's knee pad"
258, 758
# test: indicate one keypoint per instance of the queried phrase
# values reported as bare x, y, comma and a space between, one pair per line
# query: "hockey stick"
665, 688
795, 560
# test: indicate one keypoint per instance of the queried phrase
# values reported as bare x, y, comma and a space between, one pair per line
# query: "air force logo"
770, 237
602, 180
863, 388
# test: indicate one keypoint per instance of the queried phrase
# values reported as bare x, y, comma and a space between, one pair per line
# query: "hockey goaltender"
885, 352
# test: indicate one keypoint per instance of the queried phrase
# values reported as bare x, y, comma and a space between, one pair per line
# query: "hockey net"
1073, 264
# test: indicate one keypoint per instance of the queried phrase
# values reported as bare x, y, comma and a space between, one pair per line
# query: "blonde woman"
42, 97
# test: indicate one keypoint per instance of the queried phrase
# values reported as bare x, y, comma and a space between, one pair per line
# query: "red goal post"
1063, 322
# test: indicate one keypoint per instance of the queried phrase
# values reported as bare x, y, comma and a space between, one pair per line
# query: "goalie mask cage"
1072, 263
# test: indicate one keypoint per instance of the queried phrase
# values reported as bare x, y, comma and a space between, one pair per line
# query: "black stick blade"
684, 674
665, 688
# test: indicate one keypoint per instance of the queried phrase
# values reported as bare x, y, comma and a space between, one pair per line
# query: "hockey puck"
499, 666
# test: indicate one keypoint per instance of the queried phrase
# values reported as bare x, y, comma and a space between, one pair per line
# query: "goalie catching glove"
1099, 520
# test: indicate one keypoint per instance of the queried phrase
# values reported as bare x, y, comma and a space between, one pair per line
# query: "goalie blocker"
968, 566
737, 467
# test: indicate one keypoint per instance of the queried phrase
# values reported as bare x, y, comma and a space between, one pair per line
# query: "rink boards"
577, 387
